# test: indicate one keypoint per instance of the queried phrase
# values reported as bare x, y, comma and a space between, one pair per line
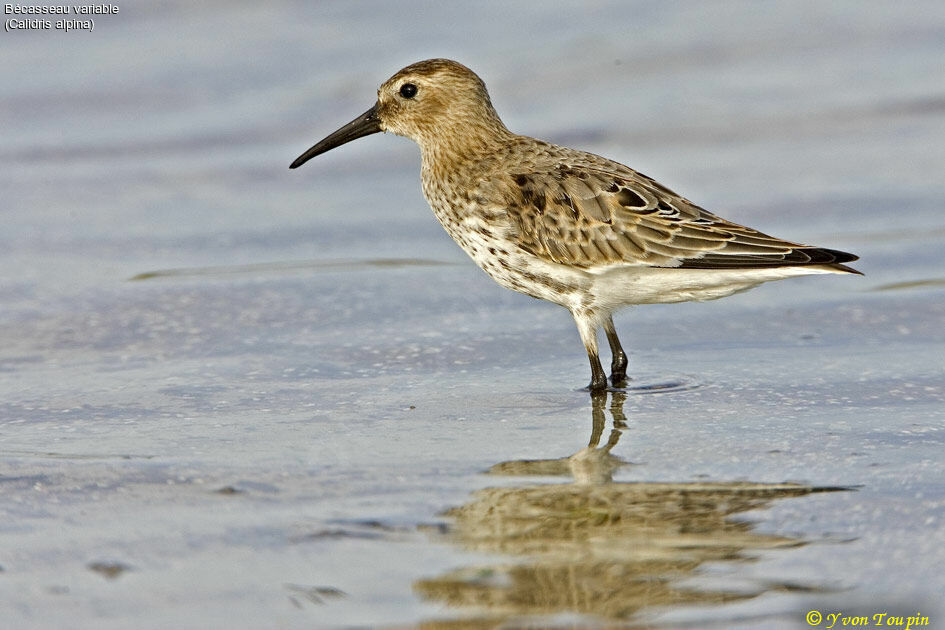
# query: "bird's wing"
593, 217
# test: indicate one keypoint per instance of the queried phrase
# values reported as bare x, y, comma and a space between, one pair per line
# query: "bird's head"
435, 102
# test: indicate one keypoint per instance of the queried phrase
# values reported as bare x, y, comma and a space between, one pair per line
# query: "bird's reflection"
592, 464
598, 547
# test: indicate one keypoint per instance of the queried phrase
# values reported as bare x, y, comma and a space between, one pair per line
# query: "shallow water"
235, 394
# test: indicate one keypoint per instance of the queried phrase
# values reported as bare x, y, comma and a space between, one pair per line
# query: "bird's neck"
452, 148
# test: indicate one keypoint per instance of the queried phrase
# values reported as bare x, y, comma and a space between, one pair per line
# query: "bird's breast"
482, 228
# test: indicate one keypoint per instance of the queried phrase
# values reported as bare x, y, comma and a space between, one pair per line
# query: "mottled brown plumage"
564, 225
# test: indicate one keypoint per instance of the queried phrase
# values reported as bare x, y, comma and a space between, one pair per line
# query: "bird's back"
574, 208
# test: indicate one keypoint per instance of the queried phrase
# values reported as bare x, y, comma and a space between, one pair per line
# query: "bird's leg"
618, 364
588, 331
598, 376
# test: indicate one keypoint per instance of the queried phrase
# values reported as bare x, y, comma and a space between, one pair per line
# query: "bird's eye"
408, 90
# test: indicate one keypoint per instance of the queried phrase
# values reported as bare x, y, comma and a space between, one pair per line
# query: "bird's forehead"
433, 69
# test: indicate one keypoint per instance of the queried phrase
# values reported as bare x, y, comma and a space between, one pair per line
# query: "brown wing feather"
589, 216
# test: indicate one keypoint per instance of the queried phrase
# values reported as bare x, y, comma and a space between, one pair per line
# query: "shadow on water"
282, 267
601, 549
911, 284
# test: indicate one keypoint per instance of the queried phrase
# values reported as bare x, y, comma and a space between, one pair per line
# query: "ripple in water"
658, 384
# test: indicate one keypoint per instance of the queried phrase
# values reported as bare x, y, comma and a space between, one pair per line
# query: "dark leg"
618, 365
598, 376
587, 328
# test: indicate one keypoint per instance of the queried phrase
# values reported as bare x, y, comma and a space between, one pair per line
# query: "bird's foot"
618, 367
598, 383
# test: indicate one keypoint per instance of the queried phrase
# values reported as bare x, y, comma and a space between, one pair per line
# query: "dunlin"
563, 225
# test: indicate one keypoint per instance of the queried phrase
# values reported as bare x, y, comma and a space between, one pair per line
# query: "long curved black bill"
364, 125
